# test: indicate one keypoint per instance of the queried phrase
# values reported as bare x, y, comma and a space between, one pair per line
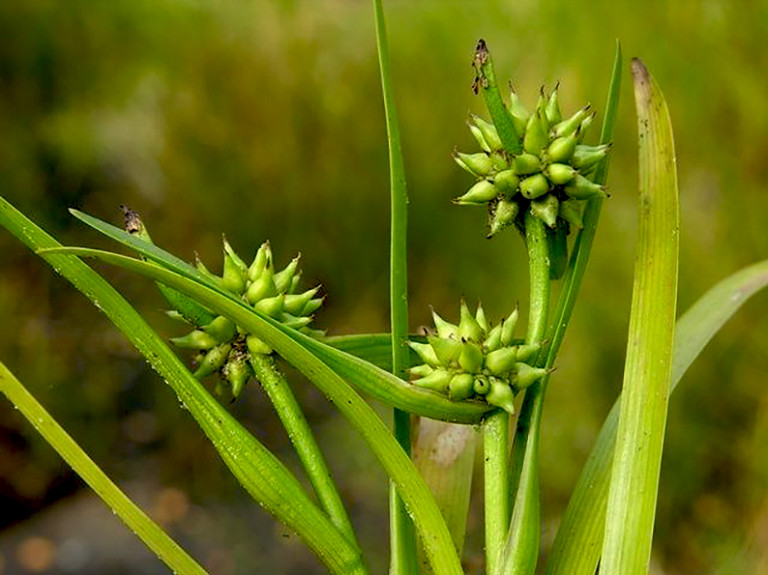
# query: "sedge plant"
467, 378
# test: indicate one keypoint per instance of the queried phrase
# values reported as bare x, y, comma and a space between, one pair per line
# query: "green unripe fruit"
438, 380
535, 186
535, 134
503, 214
488, 130
570, 211
284, 277
235, 258
469, 329
460, 386
478, 135
481, 319
200, 266
546, 210
518, 112
233, 278
525, 164
445, 329
501, 395
213, 361
422, 370
471, 357
527, 375
582, 131
481, 193
479, 164
586, 157
221, 329
271, 306
481, 385
256, 346
559, 174
262, 259
312, 305
197, 339
237, 372
527, 351
294, 322
554, 115
582, 188
425, 352
502, 360
508, 328
262, 287
561, 149
500, 161
446, 350
493, 341
507, 182
569, 126
296, 303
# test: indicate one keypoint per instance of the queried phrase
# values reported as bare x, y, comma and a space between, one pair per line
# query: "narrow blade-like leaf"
576, 550
147, 530
642, 421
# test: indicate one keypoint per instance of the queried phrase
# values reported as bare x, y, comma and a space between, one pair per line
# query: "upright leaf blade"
642, 421
576, 550
403, 555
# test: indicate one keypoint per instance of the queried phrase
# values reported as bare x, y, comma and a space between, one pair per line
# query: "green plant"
541, 205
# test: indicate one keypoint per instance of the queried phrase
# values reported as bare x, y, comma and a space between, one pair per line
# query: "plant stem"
522, 548
297, 428
404, 558
496, 486
147, 530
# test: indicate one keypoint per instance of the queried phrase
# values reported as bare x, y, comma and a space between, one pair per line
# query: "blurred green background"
264, 119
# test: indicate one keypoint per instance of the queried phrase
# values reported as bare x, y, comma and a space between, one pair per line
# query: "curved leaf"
418, 499
369, 378
264, 477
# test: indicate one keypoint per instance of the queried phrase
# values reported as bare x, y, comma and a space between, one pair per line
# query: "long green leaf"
418, 499
642, 421
147, 530
262, 475
371, 379
579, 540
403, 555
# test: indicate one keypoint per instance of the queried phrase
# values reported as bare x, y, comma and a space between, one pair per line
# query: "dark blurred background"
263, 119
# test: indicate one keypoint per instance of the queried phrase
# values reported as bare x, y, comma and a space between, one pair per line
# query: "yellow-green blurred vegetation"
264, 119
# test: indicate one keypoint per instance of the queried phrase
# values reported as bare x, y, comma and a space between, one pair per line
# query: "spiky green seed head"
548, 167
225, 347
474, 359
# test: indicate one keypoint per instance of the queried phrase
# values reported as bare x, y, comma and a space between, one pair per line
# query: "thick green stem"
297, 428
146, 529
496, 482
522, 547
